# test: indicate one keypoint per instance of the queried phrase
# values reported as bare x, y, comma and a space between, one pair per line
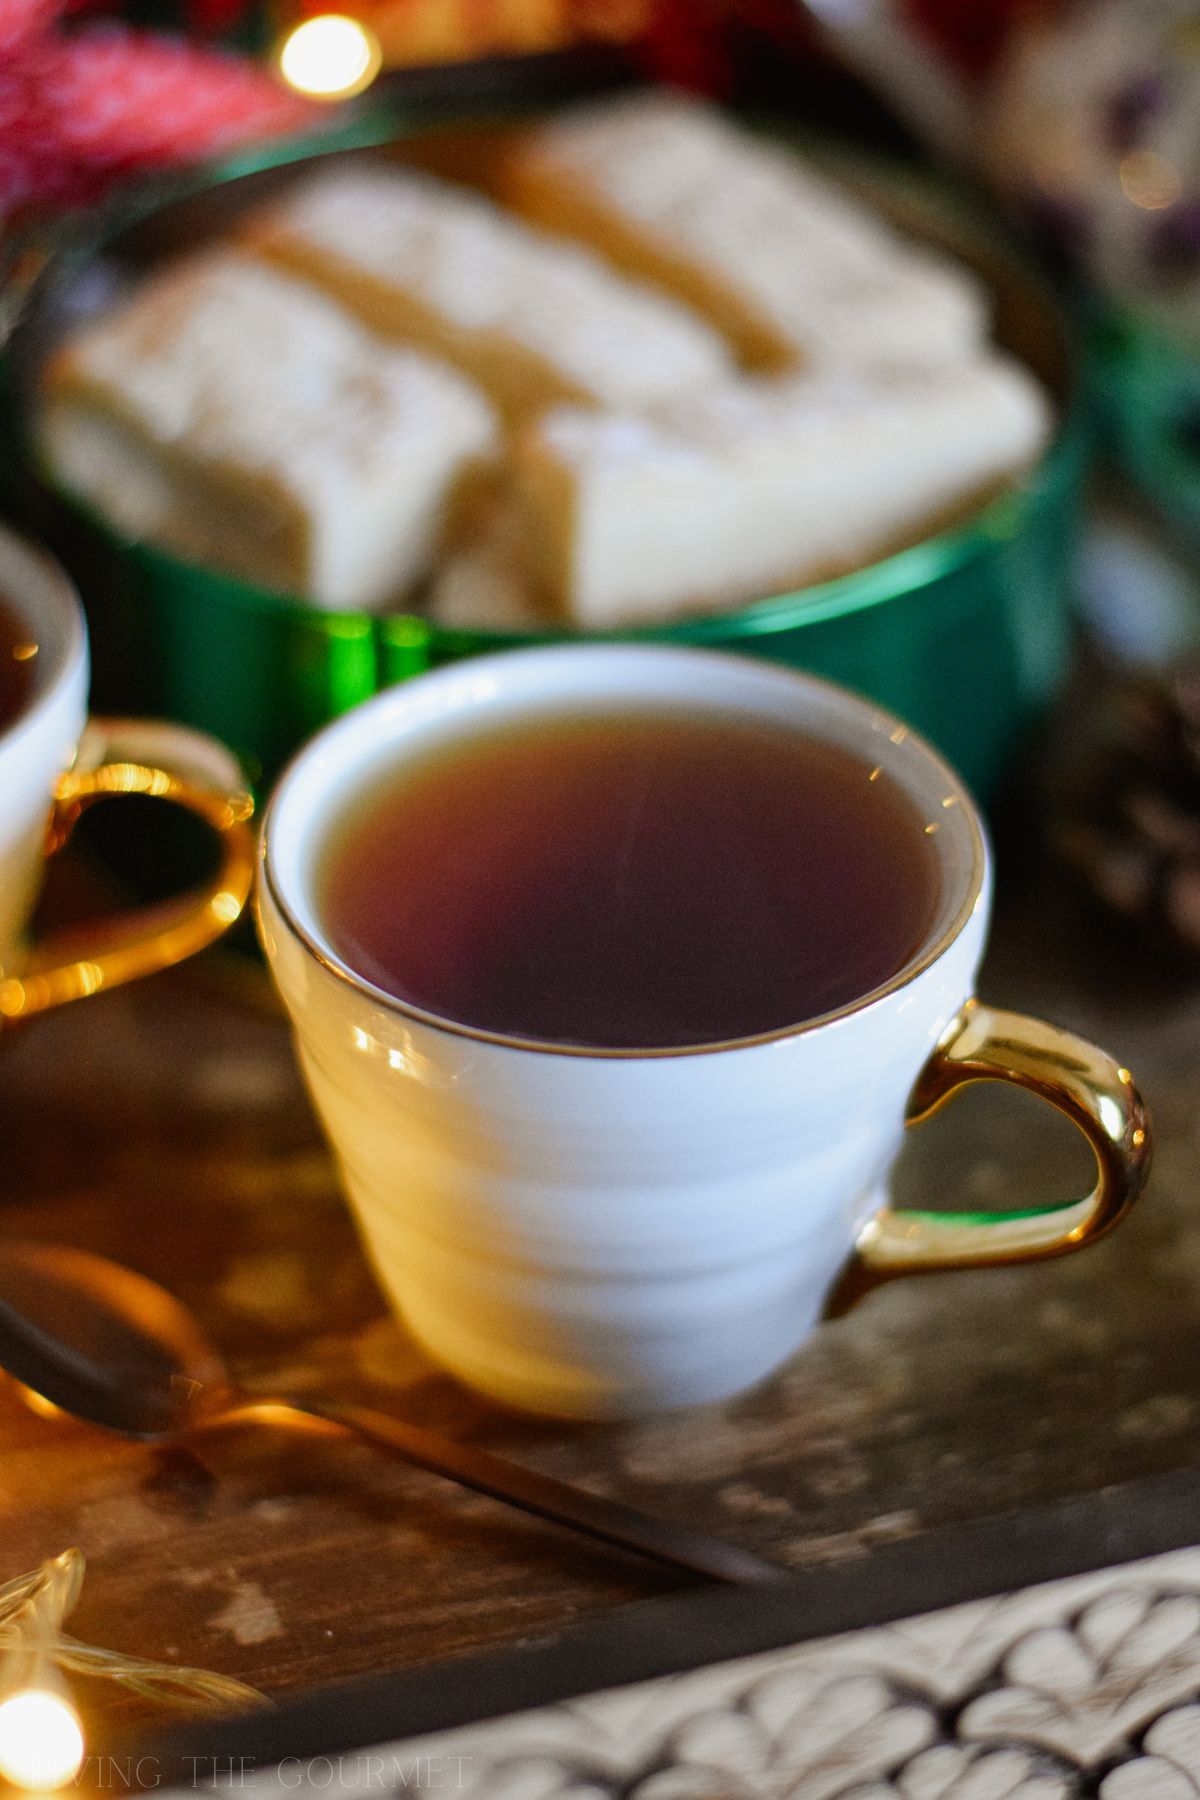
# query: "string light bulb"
42, 1743
329, 57
41, 1740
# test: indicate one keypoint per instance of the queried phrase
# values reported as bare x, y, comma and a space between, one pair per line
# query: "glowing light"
225, 906
1111, 1116
25, 652
331, 57
37, 1403
1149, 180
41, 1740
13, 998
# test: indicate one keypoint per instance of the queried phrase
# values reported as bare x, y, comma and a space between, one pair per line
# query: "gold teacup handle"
1095, 1093
167, 762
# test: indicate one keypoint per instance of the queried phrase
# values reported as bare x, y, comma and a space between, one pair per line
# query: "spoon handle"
608, 1520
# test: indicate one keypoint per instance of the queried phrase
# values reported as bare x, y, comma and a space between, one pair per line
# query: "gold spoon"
117, 1350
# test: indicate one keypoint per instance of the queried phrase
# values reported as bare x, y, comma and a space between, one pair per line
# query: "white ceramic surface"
607, 1234
40, 743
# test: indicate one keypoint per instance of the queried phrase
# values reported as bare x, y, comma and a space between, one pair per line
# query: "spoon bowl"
103, 1343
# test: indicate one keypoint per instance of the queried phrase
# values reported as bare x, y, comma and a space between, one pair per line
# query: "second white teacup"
605, 1233
55, 762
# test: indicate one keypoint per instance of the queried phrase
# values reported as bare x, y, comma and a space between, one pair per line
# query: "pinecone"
1133, 830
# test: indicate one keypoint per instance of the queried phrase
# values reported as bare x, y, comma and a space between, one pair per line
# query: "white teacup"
54, 762
606, 1233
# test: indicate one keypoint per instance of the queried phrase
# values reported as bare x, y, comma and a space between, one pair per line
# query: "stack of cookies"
664, 368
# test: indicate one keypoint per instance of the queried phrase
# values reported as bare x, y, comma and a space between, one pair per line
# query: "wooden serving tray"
166, 1125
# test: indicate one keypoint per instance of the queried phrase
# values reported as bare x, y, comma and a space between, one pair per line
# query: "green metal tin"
1147, 383
965, 635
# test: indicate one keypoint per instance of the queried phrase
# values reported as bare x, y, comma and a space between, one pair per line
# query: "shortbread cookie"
236, 416
533, 319
476, 589
487, 584
789, 266
764, 485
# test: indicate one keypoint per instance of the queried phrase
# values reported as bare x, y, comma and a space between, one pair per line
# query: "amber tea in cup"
18, 663
630, 879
